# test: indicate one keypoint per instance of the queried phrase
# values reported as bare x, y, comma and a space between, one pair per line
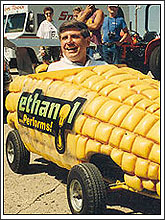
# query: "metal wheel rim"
76, 195
10, 152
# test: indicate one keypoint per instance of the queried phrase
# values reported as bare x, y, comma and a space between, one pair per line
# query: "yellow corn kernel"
72, 143
106, 149
153, 171
141, 167
92, 147
119, 115
133, 182
149, 184
102, 69
103, 132
133, 99
82, 76
141, 147
144, 103
141, 87
12, 119
130, 83
121, 77
41, 68
127, 141
17, 84
111, 72
120, 94
107, 89
132, 119
155, 154
91, 81
145, 124
116, 155
151, 93
12, 105
69, 92
154, 132
158, 188
95, 105
80, 147
128, 162
89, 127
99, 85
154, 107
157, 113
116, 136
107, 110
53, 87
159, 173
79, 123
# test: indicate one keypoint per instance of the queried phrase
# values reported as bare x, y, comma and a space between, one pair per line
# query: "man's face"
113, 10
75, 14
74, 45
48, 15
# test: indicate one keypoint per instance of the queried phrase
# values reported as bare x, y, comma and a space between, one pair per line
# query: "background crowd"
107, 33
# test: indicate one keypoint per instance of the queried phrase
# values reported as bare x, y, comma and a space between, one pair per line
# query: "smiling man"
75, 39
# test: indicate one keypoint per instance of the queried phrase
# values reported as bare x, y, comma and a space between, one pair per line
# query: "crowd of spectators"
105, 32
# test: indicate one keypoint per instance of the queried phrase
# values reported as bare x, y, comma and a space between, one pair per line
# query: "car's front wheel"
86, 190
18, 157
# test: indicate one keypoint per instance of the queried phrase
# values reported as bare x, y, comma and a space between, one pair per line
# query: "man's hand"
88, 10
42, 51
118, 43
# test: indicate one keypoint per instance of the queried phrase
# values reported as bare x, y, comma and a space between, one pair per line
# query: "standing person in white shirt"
75, 39
48, 30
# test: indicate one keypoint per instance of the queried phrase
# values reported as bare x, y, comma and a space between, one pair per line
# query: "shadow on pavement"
133, 202
137, 203
48, 167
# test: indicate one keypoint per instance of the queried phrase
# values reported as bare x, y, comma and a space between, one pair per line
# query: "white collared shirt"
47, 30
65, 63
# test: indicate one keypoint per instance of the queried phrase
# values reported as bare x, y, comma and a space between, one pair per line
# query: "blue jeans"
111, 54
91, 51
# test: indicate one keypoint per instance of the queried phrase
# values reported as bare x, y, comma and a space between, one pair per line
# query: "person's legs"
55, 53
47, 57
116, 54
90, 51
100, 51
107, 54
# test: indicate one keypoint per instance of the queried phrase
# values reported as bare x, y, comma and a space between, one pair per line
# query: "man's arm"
83, 15
98, 21
125, 35
40, 31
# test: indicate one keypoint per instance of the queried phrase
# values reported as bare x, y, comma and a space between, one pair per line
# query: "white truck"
21, 23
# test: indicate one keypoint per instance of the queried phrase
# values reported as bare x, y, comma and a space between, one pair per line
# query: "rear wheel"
18, 157
86, 190
154, 63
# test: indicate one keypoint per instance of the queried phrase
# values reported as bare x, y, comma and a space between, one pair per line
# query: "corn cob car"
102, 123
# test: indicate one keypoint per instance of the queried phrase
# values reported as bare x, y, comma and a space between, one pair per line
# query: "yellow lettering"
24, 118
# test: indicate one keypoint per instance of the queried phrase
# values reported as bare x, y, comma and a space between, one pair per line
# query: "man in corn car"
75, 39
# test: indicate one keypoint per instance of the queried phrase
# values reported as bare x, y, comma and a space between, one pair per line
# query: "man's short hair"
48, 9
81, 26
78, 8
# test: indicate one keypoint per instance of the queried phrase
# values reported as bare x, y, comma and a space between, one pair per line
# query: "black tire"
18, 157
154, 63
86, 191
